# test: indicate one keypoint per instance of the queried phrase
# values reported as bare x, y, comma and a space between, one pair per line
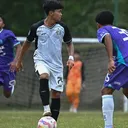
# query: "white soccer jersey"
48, 42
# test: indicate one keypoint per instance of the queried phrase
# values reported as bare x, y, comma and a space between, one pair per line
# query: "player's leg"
125, 86
107, 106
1, 82
113, 81
9, 83
76, 100
43, 74
56, 85
55, 104
69, 93
125, 90
44, 93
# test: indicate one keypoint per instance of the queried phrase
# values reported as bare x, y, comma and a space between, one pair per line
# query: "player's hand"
70, 63
19, 66
111, 66
12, 66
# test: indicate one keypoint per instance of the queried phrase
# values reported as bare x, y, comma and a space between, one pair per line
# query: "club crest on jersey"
43, 37
58, 32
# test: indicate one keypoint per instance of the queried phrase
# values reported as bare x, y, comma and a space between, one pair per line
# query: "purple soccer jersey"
117, 79
120, 42
7, 43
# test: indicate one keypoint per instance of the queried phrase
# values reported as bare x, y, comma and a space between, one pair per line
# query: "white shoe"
47, 113
71, 109
74, 110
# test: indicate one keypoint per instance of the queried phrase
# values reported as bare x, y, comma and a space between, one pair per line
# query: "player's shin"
55, 107
108, 109
44, 95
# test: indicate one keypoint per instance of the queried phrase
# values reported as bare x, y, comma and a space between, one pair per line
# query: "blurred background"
80, 18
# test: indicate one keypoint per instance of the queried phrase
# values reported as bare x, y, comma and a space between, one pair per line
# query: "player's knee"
76, 94
44, 76
107, 91
56, 94
69, 92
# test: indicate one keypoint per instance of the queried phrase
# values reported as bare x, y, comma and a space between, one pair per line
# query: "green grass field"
29, 119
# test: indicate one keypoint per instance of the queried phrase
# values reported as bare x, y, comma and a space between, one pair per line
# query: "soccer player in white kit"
49, 35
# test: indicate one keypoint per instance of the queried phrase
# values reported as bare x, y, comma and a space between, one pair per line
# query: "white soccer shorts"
55, 77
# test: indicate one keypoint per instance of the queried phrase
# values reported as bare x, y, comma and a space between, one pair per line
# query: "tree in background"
79, 17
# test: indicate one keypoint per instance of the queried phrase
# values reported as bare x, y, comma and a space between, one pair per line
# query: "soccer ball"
47, 122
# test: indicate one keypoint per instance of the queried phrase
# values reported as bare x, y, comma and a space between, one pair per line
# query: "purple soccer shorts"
118, 79
7, 80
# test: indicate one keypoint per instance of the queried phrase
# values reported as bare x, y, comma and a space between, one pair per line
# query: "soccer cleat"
71, 109
74, 110
47, 113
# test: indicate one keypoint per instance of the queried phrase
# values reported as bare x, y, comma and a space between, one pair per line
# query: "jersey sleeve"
31, 34
101, 33
67, 35
13, 38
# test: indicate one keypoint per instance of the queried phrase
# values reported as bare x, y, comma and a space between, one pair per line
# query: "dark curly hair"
104, 18
52, 5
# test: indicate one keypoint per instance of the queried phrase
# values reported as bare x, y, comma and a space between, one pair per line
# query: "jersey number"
59, 80
123, 31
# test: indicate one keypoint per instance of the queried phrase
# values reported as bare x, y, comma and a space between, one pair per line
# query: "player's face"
99, 25
1, 23
57, 14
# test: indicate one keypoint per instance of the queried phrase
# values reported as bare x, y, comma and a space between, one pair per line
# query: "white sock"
47, 108
12, 83
12, 89
107, 110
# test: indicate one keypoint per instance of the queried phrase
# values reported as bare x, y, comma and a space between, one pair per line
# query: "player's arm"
17, 53
70, 47
70, 62
109, 49
24, 49
31, 36
18, 50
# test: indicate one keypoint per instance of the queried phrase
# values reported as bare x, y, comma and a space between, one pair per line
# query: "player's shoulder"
37, 24
8, 32
61, 23
104, 29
